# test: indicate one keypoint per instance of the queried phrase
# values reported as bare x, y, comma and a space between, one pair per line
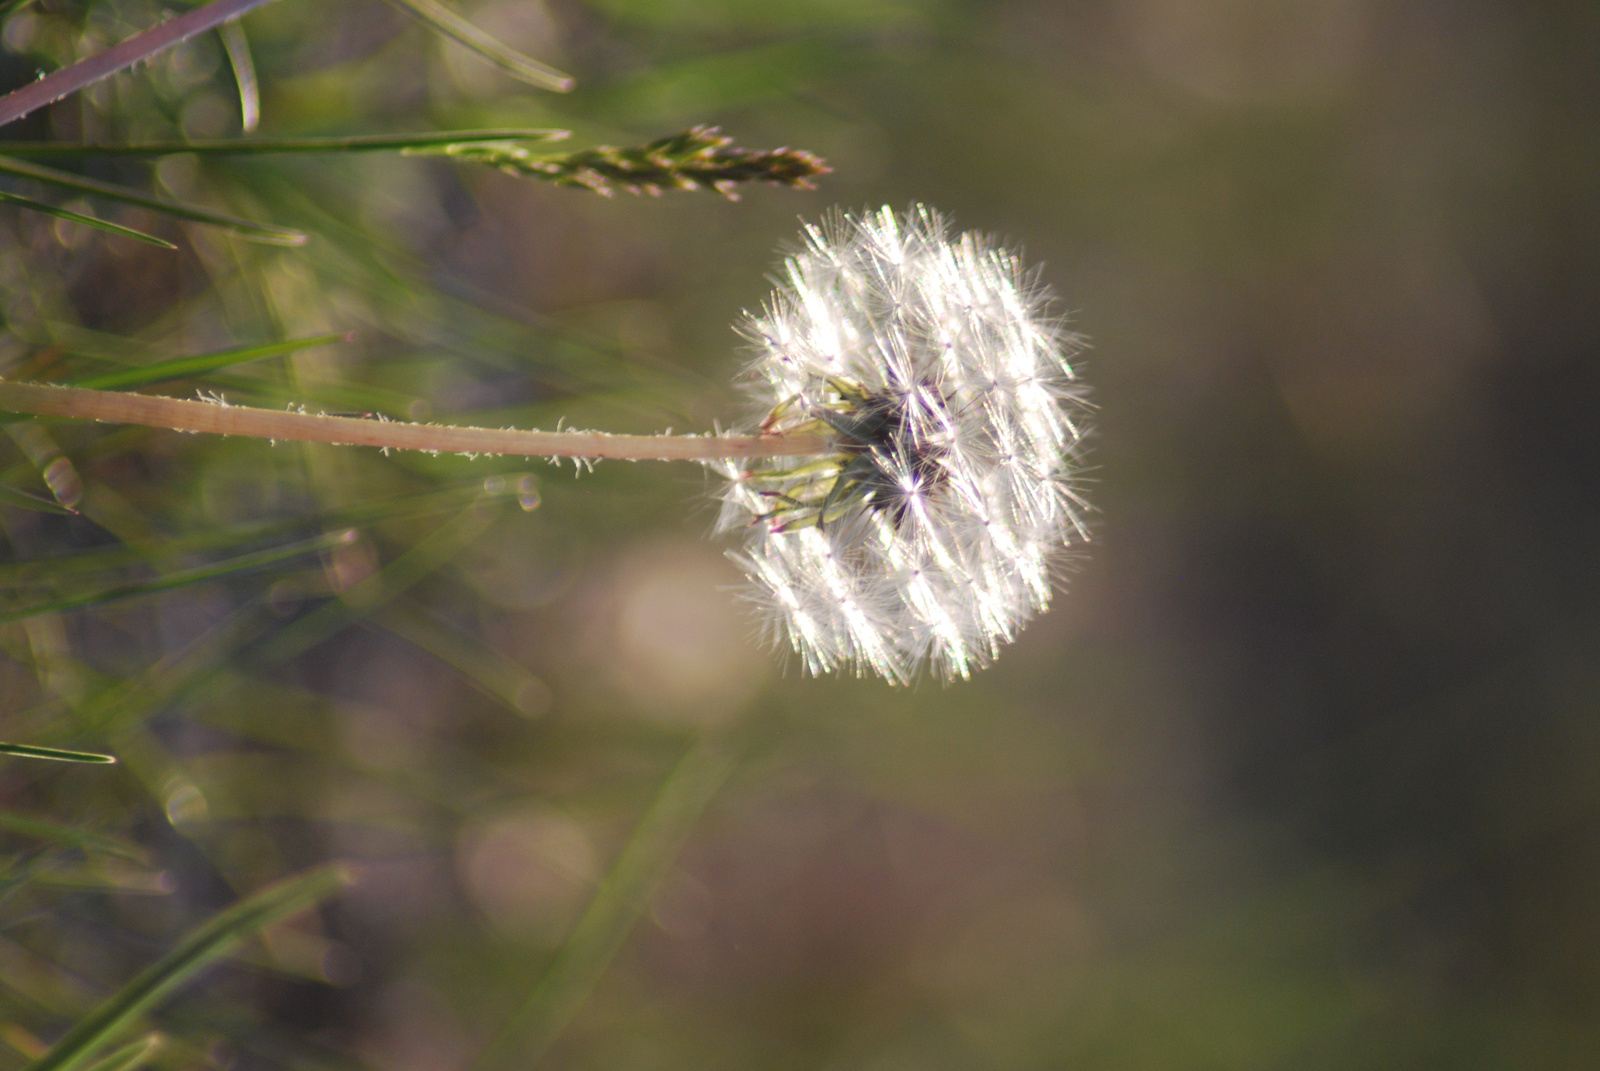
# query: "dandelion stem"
213, 418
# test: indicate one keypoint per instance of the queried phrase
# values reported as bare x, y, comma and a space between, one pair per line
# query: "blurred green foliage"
1298, 773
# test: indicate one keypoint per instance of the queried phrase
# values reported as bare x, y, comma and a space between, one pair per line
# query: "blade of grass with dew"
277, 146
83, 839
203, 947
215, 571
131, 1055
619, 901
28, 751
237, 46
199, 365
244, 228
98, 224
514, 63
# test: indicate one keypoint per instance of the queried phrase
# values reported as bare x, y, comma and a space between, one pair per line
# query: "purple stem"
53, 87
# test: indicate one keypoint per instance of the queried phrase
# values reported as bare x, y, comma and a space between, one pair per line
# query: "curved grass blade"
496, 675
88, 221
28, 751
237, 46
130, 1055
521, 67
203, 947
258, 232
83, 839
271, 146
12, 496
623, 894
199, 365
180, 579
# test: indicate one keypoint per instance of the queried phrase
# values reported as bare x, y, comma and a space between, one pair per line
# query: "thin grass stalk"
203, 947
622, 897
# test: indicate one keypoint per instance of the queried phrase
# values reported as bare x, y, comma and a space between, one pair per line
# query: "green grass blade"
521, 67
88, 221
203, 947
130, 1055
445, 499
429, 554
498, 676
179, 579
28, 751
237, 46
11, 496
82, 839
272, 146
181, 367
259, 232
623, 894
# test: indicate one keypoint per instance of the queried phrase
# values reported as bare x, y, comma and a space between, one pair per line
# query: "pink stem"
180, 414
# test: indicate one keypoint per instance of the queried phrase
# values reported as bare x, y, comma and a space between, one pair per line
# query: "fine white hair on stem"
926, 536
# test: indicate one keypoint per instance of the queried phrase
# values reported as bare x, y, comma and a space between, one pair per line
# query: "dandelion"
927, 534
914, 478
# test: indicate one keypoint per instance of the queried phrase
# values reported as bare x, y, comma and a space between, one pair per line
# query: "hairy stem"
214, 418
70, 79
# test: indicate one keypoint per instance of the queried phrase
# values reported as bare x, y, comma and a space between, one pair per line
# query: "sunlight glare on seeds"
926, 538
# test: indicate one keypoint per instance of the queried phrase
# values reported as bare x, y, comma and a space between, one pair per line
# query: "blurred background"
1299, 771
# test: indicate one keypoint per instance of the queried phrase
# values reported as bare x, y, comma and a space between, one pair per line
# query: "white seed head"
927, 535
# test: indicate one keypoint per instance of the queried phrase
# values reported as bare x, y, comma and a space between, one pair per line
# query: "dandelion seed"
927, 535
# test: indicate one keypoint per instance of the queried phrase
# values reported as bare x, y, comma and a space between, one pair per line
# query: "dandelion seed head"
926, 537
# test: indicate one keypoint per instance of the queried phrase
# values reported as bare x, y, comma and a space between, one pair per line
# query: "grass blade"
87, 71
182, 367
621, 898
11, 496
495, 674
521, 67
429, 554
88, 221
237, 46
179, 579
447, 499
203, 947
28, 751
82, 839
258, 232
270, 146
130, 1055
